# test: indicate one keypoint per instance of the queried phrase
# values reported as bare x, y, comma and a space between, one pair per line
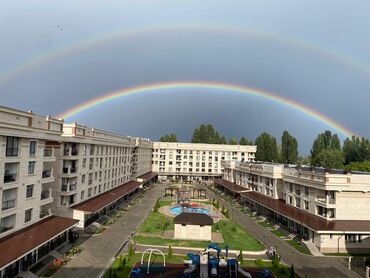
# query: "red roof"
95, 204
300, 216
18, 244
148, 176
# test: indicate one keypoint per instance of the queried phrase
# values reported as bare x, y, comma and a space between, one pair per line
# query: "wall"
194, 232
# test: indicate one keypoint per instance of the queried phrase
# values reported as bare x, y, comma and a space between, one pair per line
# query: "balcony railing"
8, 204
68, 170
45, 194
10, 177
47, 173
48, 152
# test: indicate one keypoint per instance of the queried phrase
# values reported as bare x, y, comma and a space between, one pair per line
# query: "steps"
313, 249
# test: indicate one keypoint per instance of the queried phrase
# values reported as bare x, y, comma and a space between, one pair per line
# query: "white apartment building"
94, 165
193, 162
331, 209
28, 231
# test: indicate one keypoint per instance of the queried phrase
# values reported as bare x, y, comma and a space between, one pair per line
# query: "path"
305, 265
98, 251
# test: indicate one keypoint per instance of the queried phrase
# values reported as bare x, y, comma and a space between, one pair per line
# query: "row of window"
8, 223
12, 147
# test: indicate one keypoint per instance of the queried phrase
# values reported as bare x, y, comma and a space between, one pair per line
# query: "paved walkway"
305, 266
98, 251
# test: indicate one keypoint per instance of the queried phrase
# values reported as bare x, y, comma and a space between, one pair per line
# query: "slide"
232, 265
244, 273
190, 269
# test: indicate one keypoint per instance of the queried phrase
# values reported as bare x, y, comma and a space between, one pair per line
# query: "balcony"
47, 175
8, 204
69, 170
325, 200
10, 177
68, 187
46, 197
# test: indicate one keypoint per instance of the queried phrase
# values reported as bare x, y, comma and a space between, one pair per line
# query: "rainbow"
87, 43
209, 86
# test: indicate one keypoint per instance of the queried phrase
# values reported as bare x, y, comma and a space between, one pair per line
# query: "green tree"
170, 251
241, 259
168, 138
131, 249
330, 159
232, 141
266, 148
324, 141
205, 133
356, 150
358, 166
244, 141
289, 148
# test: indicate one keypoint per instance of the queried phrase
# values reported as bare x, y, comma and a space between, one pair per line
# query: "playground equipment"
151, 250
208, 264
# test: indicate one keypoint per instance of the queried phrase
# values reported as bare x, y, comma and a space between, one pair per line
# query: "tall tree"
324, 141
207, 134
289, 148
232, 141
168, 138
330, 159
244, 141
266, 148
356, 150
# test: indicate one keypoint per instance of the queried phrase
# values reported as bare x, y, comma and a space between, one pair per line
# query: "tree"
130, 249
358, 166
232, 141
330, 159
289, 148
243, 141
241, 259
356, 150
292, 272
324, 141
169, 251
266, 148
205, 133
168, 138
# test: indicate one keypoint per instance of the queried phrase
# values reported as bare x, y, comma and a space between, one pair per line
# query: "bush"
259, 262
241, 259
130, 249
292, 272
233, 229
170, 251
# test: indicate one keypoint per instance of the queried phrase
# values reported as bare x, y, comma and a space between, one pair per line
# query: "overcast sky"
314, 52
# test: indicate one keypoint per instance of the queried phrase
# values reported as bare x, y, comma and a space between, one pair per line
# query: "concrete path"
305, 265
98, 251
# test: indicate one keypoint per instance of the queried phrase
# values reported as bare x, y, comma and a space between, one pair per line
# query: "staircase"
312, 248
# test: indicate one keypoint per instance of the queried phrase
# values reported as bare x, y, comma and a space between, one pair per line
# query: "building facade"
329, 208
195, 162
29, 144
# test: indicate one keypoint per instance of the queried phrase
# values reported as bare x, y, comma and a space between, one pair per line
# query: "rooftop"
193, 218
23, 241
97, 203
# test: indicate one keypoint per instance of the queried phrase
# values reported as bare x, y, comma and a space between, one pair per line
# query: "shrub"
259, 262
241, 259
233, 229
292, 272
169, 251
130, 249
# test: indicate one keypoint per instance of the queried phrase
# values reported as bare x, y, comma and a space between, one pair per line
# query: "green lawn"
277, 233
298, 246
236, 237
281, 271
156, 222
264, 224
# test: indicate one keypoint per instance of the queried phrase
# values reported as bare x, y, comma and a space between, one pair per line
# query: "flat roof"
19, 243
96, 203
300, 216
193, 218
148, 176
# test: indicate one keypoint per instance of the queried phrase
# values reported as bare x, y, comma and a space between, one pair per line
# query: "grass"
264, 224
118, 269
277, 233
298, 246
236, 237
156, 223
281, 271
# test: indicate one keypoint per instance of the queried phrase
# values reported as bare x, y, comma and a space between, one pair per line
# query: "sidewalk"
98, 251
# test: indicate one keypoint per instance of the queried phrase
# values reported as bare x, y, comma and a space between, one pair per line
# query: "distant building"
196, 162
329, 208
193, 226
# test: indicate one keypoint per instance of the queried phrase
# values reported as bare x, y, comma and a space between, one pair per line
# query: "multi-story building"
188, 161
329, 208
96, 170
28, 231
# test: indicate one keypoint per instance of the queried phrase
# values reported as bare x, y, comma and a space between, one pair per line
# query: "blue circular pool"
177, 210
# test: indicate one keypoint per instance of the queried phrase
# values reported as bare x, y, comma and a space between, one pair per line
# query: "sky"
56, 55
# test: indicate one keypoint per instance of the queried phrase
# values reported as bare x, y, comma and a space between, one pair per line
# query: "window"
31, 167
83, 178
29, 191
306, 205
28, 215
82, 194
7, 223
353, 238
33, 148
306, 191
12, 146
